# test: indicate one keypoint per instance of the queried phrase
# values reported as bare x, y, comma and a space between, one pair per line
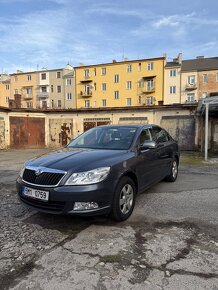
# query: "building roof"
200, 64
172, 64
114, 62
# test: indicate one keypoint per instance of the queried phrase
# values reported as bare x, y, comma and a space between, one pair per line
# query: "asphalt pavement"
170, 241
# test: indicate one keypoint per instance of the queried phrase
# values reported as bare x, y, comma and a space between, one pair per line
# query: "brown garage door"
89, 123
27, 132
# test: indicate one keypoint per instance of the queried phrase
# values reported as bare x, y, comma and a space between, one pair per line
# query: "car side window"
145, 136
159, 135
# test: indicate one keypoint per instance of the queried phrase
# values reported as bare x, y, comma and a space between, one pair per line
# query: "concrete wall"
62, 126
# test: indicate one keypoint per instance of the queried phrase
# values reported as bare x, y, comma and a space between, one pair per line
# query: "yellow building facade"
4, 90
120, 84
25, 85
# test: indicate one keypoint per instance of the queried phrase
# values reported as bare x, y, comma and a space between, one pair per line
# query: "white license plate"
35, 193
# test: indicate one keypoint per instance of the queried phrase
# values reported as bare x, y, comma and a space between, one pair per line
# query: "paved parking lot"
170, 241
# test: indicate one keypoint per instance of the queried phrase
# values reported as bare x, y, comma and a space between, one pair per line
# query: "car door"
147, 162
164, 148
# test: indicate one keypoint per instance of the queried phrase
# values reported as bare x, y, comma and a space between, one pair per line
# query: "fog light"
85, 205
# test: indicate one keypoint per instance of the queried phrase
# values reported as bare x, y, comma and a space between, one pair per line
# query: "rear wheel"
124, 199
173, 171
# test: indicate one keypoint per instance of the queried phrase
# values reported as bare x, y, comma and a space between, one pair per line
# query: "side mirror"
148, 145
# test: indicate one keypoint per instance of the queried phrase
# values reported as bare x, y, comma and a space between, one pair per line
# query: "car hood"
73, 159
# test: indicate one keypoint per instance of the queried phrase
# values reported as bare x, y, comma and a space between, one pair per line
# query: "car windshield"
117, 138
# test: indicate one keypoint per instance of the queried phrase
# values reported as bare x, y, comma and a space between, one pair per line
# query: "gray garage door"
182, 129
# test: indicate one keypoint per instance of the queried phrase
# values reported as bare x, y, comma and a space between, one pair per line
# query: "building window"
7, 99
68, 82
204, 95
59, 103
7, 87
15, 78
68, 96
173, 73
129, 68
116, 79
129, 85
44, 89
58, 74
205, 79
29, 104
103, 71
140, 100
217, 78
44, 104
87, 89
191, 80
52, 88
58, 89
87, 104
29, 91
16, 91
150, 85
29, 77
129, 101
52, 103
104, 103
95, 72
172, 90
149, 101
139, 66
190, 98
43, 76
94, 87
150, 66
86, 73
104, 87
116, 95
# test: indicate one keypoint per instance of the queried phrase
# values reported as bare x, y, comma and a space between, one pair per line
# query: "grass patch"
197, 159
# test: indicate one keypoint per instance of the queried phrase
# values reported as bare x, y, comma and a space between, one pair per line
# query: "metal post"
206, 132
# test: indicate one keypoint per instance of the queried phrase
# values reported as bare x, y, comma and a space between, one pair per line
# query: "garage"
27, 132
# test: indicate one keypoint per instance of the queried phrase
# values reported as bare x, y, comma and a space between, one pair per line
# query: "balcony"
27, 96
43, 95
147, 89
190, 87
85, 94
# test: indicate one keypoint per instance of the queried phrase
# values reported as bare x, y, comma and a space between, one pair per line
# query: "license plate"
35, 193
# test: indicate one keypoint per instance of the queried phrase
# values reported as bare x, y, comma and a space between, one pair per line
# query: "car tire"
124, 199
173, 171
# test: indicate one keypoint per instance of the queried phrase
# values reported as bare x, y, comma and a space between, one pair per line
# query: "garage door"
27, 132
182, 129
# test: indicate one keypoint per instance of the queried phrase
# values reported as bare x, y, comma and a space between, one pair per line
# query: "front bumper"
62, 198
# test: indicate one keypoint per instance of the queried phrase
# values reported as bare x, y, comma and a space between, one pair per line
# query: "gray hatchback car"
100, 172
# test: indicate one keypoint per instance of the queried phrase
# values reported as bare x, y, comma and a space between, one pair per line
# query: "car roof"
128, 125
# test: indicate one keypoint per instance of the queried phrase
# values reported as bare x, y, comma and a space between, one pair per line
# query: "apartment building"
172, 81
43, 89
120, 84
199, 78
23, 87
4, 90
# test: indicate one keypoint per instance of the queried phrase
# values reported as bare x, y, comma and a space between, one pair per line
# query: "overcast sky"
51, 33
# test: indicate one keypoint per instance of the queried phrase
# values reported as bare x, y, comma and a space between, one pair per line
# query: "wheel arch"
133, 176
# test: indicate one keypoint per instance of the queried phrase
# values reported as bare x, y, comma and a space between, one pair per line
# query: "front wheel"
173, 171
124, 199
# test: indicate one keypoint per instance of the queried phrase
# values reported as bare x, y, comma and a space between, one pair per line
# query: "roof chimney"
114, 60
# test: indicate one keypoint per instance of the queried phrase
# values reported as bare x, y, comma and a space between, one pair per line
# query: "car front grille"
45, 178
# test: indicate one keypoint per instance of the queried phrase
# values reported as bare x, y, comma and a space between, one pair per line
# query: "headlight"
88, 177
21, 172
